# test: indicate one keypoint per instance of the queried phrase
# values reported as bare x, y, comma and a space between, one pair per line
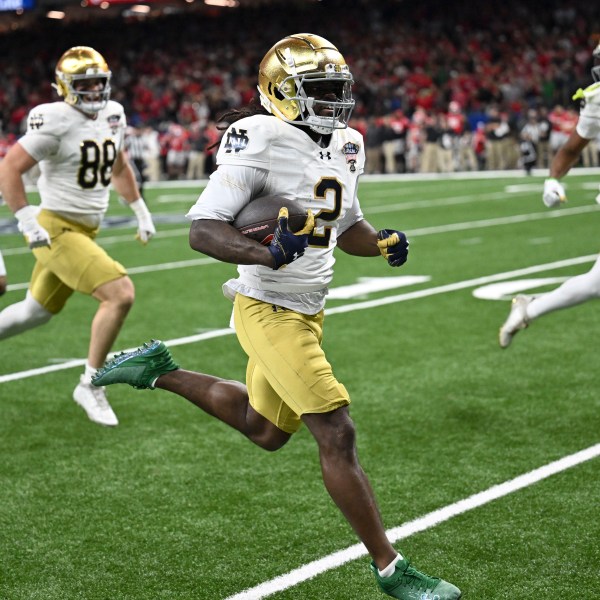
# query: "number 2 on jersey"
321, 240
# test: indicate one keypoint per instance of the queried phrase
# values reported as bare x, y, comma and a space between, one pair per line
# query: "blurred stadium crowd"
440, 86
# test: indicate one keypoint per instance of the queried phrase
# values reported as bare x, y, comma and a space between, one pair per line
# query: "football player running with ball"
576, 290
78, 143
301, 148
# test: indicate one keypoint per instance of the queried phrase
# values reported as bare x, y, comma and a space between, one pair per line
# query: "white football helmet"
81, 63
298, 78
596, 59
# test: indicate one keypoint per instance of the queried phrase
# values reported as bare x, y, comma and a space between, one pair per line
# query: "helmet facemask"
330, 91
310, 86
83, 64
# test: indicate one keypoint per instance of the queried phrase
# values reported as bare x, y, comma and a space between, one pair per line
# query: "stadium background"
435, 73
170, 504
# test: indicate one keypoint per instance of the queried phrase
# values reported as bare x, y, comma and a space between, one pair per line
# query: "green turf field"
172, 505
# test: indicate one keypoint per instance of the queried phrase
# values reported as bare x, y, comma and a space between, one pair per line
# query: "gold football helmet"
304, 80
82, 63
596, 60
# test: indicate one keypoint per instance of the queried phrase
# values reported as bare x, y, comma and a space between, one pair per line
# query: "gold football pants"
287, 373
74, 262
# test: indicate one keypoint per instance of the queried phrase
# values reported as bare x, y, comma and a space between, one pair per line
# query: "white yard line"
345, 308
77, 362
337, 559
411, 233
460, 285
539, 216
383, 208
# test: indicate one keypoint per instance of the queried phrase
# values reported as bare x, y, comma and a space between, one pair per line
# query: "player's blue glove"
286, 246
393, 246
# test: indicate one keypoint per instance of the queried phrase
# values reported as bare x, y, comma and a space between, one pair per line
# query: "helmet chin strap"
316, 124
91, 111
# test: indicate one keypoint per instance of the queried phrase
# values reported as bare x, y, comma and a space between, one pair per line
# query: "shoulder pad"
48, 119
249, 139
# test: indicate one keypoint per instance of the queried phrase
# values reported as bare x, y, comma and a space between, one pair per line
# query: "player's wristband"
140, 209
27, 216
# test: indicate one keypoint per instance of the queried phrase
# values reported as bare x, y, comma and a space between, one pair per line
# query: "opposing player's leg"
516, 321
525, 309
575, 290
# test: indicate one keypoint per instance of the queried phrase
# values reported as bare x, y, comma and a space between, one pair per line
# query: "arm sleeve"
248, 142
351, 216
229, 189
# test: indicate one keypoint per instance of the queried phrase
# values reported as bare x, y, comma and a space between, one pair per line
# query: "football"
258, 219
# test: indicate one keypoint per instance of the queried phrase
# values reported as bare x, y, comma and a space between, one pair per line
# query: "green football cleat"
139, 368
409, 584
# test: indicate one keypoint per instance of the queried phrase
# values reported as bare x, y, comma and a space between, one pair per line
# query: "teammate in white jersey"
299, 148
78, 144
582, 288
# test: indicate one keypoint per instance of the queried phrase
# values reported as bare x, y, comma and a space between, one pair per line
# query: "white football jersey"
588, 126
261, 156
75, 155
2, 266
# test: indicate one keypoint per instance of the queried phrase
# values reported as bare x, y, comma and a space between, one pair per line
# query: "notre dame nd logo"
236, 141
36, 121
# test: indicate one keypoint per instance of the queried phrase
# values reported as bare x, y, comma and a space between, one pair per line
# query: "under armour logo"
236, 141
325, 155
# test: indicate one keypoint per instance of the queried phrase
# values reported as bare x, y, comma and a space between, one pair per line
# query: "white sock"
389, 570
87, 374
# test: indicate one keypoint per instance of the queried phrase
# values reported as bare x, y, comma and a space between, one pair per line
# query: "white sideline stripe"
451, 287
450, 201
335, 310
77, 362
579, 210
337, 559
